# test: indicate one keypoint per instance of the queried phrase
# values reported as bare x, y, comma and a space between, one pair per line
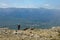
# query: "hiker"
18, 27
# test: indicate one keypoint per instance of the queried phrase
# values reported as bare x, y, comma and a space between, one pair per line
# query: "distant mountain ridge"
30, 16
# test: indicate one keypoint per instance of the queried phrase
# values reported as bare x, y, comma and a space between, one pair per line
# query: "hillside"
38, 18
36, 34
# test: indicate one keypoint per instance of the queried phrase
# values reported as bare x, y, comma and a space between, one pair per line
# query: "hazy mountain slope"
26, 16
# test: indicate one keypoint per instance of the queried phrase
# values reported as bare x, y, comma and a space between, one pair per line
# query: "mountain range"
29, 17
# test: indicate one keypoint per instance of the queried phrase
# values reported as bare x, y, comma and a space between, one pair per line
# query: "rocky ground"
36, 34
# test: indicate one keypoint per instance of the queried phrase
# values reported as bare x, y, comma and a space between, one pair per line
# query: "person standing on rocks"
18, 27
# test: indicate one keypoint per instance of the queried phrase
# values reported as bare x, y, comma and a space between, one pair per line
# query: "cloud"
3, 5
48, 6
26, 6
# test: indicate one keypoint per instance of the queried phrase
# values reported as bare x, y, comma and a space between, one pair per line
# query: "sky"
50, 4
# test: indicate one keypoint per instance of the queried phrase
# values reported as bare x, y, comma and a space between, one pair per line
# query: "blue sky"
51, 4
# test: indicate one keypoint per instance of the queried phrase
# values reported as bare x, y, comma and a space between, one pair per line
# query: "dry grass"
36, 34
